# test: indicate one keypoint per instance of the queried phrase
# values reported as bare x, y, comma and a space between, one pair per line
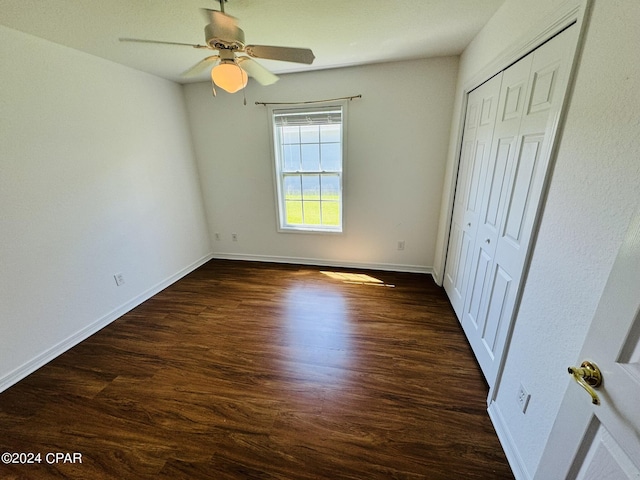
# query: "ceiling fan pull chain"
213, 88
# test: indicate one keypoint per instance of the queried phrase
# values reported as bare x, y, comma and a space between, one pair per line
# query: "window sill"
310, 230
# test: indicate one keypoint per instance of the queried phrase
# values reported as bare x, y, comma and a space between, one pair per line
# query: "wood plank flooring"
244, 370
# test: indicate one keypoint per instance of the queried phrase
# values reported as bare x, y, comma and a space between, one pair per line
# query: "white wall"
398, 136
593, 193
97, 177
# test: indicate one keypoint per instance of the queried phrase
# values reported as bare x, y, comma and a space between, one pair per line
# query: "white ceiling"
340, 32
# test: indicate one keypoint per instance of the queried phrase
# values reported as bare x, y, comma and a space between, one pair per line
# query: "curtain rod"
309, 101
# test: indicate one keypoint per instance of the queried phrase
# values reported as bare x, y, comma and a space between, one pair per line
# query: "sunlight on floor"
357, 278
317, 331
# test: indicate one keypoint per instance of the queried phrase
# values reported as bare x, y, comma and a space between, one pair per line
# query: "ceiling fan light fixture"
229, 76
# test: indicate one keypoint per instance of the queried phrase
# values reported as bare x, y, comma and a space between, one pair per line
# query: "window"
308, 152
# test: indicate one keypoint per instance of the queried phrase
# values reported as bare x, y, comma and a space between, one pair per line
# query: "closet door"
480, 117
511, 190
483, 287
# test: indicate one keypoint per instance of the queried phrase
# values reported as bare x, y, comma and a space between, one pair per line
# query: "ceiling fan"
231, 71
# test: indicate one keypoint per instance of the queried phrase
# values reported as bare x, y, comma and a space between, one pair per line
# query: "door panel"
629, 357
497, 308
474, 312
526, 172
604, 458
514, 101
543, 88
498, 183
478, 171
482, 109
488, 112
464, 233
603, 441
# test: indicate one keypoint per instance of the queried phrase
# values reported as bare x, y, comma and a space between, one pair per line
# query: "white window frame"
279, 173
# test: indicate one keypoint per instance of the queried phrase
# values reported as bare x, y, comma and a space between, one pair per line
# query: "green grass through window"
313, 211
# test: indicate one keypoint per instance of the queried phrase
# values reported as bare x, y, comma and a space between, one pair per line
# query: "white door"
594, 442
482, 105
482, 251
531, 97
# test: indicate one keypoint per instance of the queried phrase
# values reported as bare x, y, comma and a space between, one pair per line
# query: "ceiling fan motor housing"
220, 36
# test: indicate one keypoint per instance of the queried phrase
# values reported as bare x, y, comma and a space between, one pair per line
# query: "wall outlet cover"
523, 398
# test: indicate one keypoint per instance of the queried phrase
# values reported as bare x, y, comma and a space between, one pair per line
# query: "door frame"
573, 12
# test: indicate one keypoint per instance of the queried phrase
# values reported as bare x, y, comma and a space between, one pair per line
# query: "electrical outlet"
523, 398
119, 277
217, 235
400, 244
234, 237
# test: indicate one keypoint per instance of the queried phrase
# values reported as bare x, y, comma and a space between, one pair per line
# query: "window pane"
311, 213
311, 187
310, 158
308, 163
331, 154
291, 160
292, 187
330, 133
330, 213
330, 187
290, 134
293, 212
310, 134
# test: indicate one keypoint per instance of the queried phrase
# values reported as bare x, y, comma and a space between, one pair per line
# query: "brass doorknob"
589, 377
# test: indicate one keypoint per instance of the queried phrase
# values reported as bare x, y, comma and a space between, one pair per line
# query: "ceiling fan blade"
285, 54
257, 71
141, 40
201, 66
223, 28
207, 13
219, 17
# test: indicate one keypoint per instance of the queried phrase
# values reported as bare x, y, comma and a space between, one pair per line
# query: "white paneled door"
480, 120
497, 208
593, 442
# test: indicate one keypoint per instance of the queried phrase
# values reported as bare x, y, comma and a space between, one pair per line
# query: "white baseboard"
325, 263
508, 445
45, 357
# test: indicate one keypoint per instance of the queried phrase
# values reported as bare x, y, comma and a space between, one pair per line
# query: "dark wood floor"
247, 370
